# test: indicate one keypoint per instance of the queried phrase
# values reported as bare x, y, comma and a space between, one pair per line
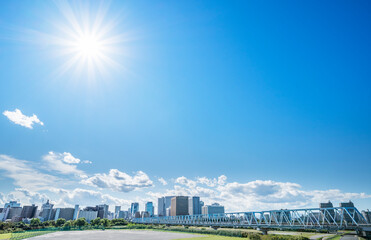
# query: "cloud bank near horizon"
66, 185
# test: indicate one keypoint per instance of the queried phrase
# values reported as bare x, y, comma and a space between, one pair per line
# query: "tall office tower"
76, 212
65, 213
14, 212
103, 211
163, 204
117, 211
179, 206
194, 206
46, 211
215, 208
12, 204
150, 209
161, 207
134, 208
29, 211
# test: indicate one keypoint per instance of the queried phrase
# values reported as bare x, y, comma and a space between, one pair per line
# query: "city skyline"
131, 101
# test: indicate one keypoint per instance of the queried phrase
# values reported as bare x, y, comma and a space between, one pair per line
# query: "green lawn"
5, 236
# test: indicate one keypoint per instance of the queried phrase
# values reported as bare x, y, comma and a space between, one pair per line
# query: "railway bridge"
331, 219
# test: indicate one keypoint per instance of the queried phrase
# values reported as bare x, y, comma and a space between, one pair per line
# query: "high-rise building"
134, 208
88, 215
215, 208
179, 206
29, 211
103, 211
65, 213
194, 206
124, 214
14, 212
150, 209
117, 211
76, 212
367, 216
46, 211
163, 204
161, 211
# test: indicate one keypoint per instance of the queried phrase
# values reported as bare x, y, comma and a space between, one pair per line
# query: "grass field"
5, 236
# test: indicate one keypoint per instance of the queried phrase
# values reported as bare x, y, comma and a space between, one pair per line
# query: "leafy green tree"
81, 222
105, 222
119, 222
67, 225
35, 222
95, 222
60, 222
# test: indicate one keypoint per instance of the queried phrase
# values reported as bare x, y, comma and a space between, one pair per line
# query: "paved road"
114, 234
349, 237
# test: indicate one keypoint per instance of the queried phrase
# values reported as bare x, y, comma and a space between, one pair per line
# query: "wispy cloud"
24, 174
63, 163
19, 118
162, 181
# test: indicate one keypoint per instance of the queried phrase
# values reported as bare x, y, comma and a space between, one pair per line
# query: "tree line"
61, 223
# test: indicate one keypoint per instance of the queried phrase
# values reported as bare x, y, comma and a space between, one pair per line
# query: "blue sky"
270, 98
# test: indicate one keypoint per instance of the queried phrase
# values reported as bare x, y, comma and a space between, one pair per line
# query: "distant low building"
215, 208
137, 215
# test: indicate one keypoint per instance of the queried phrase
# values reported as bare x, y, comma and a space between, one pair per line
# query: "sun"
89, 46
86, 40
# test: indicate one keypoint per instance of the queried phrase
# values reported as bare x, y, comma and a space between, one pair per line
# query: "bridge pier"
264, 231
214, 227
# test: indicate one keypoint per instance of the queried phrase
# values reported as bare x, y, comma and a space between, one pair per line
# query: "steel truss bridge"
332, 219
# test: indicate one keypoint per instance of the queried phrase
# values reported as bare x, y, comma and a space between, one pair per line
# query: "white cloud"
212, 182
185, 181
19, 118
87, 162
119, 181
162, 181
68, 158
85, 197
63, 163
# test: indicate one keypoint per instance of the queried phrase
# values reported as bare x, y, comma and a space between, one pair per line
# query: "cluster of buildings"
167, 206
185, 205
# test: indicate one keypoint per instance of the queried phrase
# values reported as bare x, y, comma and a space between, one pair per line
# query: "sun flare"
85, 40
89, 46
